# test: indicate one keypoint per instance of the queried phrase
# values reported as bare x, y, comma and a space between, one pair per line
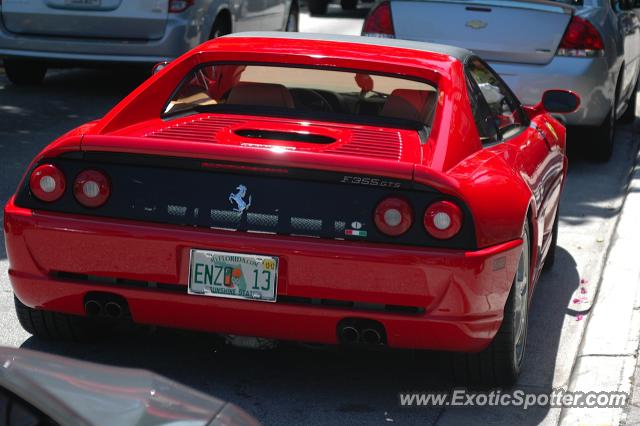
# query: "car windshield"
309, 93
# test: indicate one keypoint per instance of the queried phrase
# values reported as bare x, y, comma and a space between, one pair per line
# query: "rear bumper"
462, 294
588, 77
176, 40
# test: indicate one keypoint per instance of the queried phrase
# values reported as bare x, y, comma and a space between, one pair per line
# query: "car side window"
504, 107
485, 122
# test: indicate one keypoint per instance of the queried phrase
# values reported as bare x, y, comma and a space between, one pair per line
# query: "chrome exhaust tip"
371, 336
113, 309
93, 308
350, 334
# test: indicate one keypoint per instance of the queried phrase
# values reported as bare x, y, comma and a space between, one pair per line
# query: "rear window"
311, 93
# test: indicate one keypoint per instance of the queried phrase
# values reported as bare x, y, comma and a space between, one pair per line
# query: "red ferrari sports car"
301, 187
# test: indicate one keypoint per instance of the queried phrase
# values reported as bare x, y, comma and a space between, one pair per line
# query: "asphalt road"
295, 385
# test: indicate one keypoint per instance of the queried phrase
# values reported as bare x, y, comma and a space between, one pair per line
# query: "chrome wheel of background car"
521, 294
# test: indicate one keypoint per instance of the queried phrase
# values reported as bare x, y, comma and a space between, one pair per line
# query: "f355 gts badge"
237, 199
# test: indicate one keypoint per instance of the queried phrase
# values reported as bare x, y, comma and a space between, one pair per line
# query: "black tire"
25, 72
220, 28
56, 326
500, 363
318, 7
293, 20
349, 4
602, 139
629, 115
551, 254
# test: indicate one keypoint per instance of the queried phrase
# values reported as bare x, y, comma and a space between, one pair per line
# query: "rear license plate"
233, 275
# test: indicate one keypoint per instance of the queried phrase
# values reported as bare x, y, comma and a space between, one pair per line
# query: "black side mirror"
560, 101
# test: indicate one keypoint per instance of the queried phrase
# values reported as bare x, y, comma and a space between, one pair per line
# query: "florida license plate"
233, 275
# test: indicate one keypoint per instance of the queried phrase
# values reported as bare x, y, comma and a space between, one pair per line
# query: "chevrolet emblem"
476, 24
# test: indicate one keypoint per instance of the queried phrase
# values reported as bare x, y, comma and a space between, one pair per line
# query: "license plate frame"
241, 276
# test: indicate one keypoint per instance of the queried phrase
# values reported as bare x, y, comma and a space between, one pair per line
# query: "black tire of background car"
318, 7
57, 326
25, 72
602, 139
495, 366
220, 28
629, 115
349, 4
551, 254
293, 20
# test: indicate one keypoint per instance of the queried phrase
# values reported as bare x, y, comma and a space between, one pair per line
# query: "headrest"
260, 94
416, 105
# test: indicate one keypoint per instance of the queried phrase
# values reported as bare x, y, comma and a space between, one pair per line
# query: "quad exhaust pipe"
105, 305
350, 335
371, 336
358, 331
93, 308
113, 309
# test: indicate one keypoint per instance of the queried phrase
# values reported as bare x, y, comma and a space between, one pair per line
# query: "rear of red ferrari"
266, 199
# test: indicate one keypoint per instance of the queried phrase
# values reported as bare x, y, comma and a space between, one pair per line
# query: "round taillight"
92, 188
393, 216
47, 183
443, 220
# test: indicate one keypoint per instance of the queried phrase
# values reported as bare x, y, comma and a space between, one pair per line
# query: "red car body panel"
460, 293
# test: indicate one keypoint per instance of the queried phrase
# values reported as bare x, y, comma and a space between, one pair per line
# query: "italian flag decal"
355, 233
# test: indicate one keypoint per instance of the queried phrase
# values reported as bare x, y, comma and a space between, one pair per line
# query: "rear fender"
498, 198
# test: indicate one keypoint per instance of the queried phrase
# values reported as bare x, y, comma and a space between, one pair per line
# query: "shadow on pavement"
592, 186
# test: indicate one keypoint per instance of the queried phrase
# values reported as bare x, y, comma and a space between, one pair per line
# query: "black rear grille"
285, 300
285, 202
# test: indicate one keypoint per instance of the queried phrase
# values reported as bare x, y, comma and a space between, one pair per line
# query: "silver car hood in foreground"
73, 392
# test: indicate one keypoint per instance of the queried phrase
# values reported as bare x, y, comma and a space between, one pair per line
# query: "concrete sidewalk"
608, 353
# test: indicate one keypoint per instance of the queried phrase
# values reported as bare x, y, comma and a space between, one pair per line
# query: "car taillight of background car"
379, 23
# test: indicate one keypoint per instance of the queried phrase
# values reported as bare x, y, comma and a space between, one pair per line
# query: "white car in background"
37, 33
591, 47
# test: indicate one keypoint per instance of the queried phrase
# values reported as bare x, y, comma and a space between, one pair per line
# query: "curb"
607, 355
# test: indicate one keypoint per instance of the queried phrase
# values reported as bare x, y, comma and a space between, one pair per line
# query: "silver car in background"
35, 33
591, 47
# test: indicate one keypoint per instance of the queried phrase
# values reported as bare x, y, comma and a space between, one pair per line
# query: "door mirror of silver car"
560, 101
157, 67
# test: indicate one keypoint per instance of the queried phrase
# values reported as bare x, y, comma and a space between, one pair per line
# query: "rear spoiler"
542, 5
